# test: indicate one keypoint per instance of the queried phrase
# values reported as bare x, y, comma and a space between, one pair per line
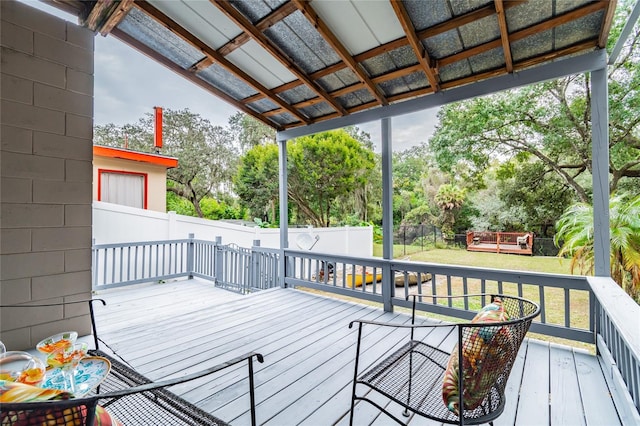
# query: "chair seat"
391, 378
424, 366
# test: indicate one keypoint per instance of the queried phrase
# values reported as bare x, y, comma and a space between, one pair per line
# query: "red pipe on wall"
158, 128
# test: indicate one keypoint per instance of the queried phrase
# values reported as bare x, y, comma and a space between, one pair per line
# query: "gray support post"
190, 256
255, 266
284, 208
387, 216
600, 170
218, 273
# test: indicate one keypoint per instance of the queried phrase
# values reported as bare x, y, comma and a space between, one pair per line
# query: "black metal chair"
131, 397
414, 375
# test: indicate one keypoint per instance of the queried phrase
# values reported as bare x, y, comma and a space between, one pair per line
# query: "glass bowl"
22, 367
57, 341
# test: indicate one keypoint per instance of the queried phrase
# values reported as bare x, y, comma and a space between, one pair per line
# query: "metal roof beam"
561, 68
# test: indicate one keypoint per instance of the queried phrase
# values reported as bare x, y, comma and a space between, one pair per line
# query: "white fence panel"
113, 223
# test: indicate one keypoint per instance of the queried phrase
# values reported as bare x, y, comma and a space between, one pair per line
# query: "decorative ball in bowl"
57, 341
22, 367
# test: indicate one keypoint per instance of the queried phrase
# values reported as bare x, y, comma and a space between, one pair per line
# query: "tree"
533, 196
323, 168
551, 124
364, 203
575, 231
256, 181
248, 132
449, 199
205, 154
328, 174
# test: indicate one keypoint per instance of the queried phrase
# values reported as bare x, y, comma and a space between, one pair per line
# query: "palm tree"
575, 230
449, 198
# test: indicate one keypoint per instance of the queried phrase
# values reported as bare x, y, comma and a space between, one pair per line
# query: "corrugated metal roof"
292, 63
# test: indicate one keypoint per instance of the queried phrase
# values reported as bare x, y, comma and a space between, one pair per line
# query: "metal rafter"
126, 38
416, 44
178, 30
246, 26
340, 49
504, 35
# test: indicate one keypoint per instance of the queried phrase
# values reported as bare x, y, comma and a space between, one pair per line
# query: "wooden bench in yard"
500, 242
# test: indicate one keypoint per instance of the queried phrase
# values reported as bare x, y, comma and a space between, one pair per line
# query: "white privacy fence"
113, 223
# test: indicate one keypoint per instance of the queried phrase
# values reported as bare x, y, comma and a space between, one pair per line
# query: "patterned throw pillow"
20, 392
485, 353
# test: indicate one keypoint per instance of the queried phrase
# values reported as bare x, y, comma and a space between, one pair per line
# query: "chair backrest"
77, 412
488, 351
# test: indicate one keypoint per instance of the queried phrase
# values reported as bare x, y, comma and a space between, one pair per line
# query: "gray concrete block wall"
46, 120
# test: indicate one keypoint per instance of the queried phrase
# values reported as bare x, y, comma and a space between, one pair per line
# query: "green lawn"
552, 265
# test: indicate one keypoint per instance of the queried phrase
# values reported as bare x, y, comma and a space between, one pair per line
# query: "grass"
455, 256
554, 298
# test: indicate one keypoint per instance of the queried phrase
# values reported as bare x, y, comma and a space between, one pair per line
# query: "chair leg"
406, 410
353, 403
355, 375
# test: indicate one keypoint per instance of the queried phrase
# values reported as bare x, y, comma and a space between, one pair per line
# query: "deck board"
170, 329
533, 403
598, 407
512, 390
564, 394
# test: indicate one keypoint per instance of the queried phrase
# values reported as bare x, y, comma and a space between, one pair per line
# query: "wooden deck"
502, 248
166, 330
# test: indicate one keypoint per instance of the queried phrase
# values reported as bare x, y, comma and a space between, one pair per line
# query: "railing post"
594, 318
190, 256
255, 266
94, 264
387, 214
218, 273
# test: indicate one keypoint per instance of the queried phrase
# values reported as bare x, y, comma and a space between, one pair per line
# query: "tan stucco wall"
156, 179
46, 153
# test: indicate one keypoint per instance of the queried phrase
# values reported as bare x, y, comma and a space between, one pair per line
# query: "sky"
128, 84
